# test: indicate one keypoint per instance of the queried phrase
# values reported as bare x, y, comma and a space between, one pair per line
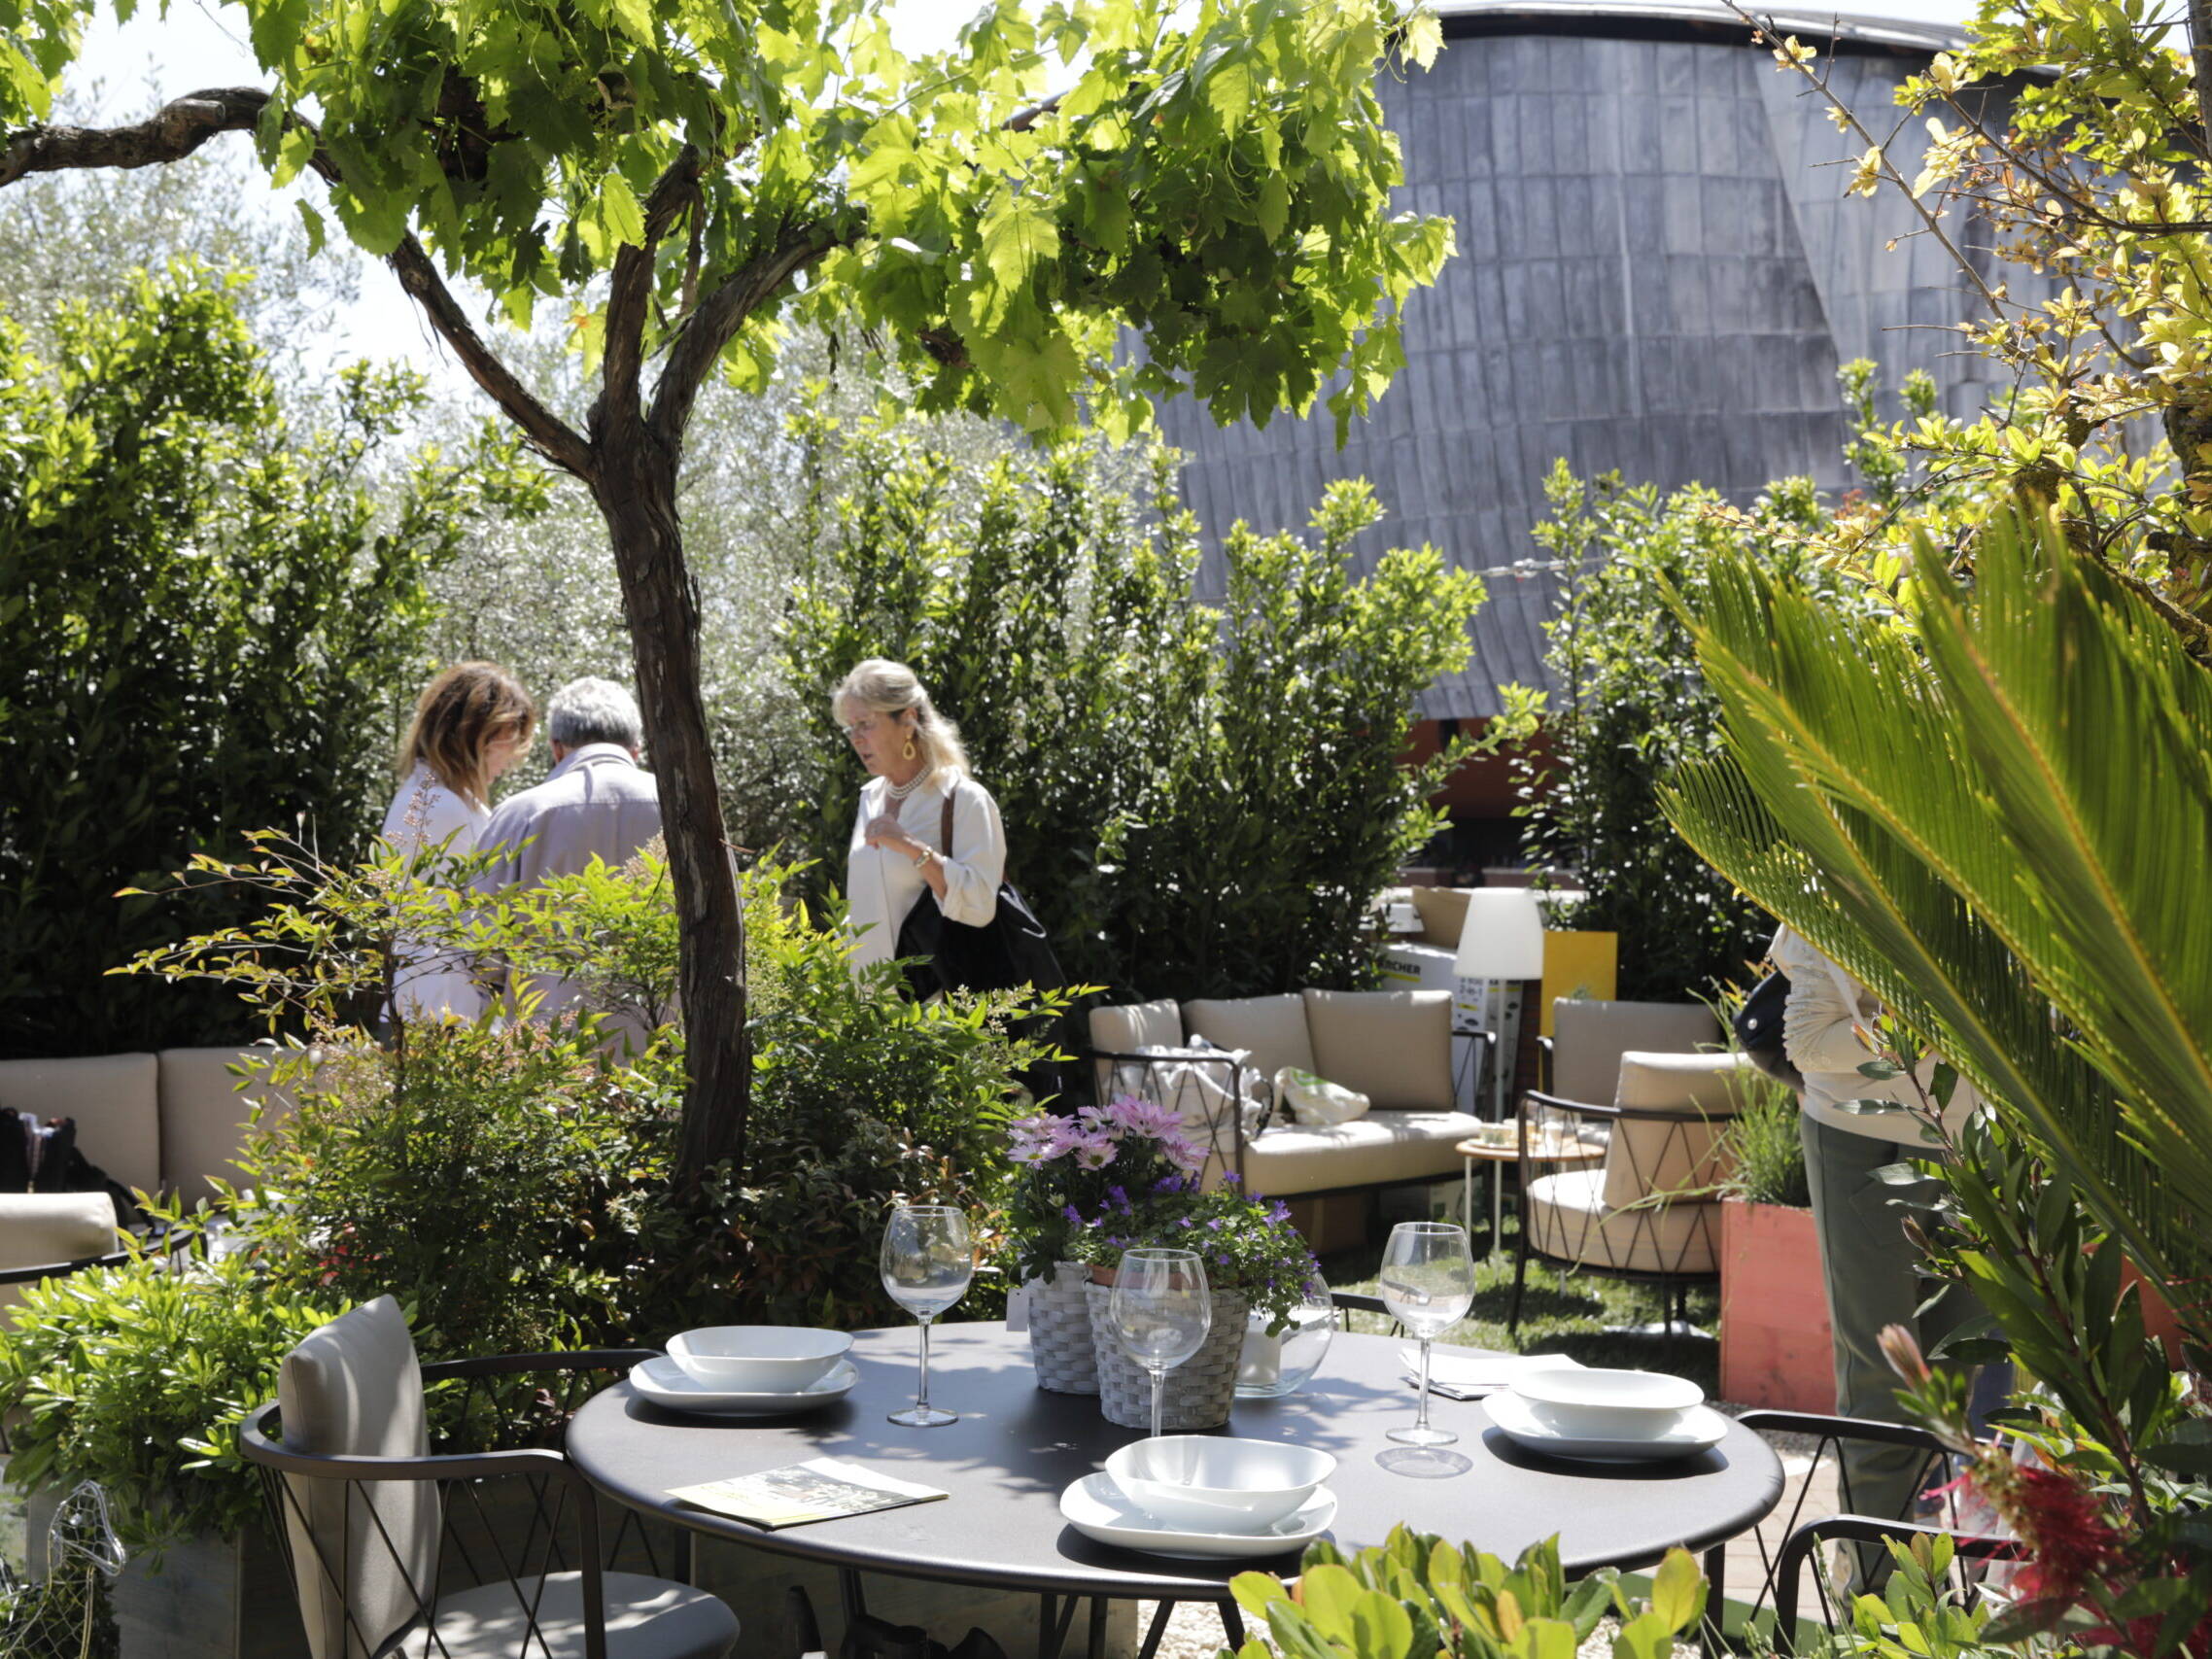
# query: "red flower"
2070, 1540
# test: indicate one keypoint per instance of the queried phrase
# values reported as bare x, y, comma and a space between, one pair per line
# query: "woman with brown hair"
472, 723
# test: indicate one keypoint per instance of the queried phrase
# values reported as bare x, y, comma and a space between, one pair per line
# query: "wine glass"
1428, 1285
1161, 1311
927, 1265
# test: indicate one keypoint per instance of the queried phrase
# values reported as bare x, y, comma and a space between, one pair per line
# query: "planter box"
1775, 1346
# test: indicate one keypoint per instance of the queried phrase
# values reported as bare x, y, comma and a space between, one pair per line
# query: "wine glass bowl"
927, 1261
1427, 1285
1161, 1311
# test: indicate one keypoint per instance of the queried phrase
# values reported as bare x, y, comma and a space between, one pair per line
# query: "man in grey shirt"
596, 801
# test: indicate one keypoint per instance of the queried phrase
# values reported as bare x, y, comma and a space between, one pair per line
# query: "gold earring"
907, 753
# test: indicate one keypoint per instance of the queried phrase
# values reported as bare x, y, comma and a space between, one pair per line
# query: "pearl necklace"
900, 791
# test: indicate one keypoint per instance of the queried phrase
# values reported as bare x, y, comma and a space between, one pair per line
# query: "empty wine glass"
1428, 1285
927, 1265
1161, 1311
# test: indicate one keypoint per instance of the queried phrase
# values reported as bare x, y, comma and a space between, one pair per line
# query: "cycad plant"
2000, 821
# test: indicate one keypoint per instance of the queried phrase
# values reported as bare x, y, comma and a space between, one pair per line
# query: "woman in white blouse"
472, 723
915, 764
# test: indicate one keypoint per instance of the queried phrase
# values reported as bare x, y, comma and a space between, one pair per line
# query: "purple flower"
1072, 1213
1217, 1224
1231, 1176
1182, 1220
1279, 1211
1120, 1196
1168, 1184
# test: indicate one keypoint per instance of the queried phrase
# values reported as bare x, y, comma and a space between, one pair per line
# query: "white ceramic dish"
1677, 1435
666, 1384
759, 1358
1097, 1509
1609, 1404
1216, 1483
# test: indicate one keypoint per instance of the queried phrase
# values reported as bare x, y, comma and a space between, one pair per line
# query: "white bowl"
1214, 1483
759, 1358
1606, 1403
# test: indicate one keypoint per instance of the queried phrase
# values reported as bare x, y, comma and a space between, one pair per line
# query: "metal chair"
1626, 1190
374, 1526
1784, 1573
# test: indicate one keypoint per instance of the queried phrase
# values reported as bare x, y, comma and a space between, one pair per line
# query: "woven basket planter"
1199, 1392
1059, 1330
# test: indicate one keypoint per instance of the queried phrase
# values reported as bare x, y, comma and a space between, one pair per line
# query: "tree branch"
170, 134
706, 330
631, 289
183, 125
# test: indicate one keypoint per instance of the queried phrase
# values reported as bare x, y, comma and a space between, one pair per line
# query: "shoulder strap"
945, 829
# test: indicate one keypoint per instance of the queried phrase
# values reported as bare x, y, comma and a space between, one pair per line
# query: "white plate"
666, 1383
1097, 1509
1478, 1374
1693, 1429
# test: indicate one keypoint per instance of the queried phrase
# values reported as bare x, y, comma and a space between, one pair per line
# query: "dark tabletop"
1016, 1447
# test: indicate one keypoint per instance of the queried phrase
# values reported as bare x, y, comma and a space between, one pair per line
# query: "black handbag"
1758, 1029
1009, 949
45, 1158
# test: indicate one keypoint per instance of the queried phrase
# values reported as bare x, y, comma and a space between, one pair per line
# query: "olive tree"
689, 178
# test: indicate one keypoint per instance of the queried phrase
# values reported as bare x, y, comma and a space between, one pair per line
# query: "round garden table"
1016, 1447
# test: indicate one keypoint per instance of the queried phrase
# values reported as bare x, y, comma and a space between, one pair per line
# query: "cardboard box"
1424, 1201
1337, 1221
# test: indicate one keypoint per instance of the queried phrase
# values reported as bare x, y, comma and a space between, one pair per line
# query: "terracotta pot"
1776, 1348
2158, 1319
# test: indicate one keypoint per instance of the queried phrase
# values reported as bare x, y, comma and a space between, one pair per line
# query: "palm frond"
2001, 829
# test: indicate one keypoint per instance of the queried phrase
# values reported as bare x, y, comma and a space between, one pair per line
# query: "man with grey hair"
596, 799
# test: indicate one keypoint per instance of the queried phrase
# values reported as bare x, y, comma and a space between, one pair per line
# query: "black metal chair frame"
1783, 1571
553, 1483
1673, 1284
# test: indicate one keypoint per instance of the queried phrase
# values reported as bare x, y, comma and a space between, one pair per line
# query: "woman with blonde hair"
472, 723
899, 849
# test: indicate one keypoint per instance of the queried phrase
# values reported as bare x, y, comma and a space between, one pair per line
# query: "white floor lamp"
1500, 948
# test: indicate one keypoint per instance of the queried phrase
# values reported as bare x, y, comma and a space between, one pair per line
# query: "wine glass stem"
1159, 1386
1422, 1422
921, 1396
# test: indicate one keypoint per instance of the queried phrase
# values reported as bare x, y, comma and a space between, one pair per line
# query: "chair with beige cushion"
359, 1505
45, 1233
1393, 1047
1646, 1208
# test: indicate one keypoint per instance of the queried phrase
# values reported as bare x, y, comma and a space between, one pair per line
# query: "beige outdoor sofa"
1393, 1047
159, 1124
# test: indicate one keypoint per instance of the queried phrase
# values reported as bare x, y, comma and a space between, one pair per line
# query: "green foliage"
1986, 841
1416, 1597
1764, 1155
1634, 707
137, 1377
1198, 801
201, 613
1246, 1244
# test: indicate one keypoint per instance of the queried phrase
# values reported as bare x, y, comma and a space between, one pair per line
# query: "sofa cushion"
1394, 1046
1589, 1038
1135, 1026
115, 1099
1566, 1217
1671, 1154
38, 1230
1373, 1151
204, 1117
1272, 1027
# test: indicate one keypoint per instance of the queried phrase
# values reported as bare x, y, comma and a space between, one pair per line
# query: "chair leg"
1520, 1285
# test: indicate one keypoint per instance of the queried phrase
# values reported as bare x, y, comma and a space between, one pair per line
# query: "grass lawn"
1590, 1318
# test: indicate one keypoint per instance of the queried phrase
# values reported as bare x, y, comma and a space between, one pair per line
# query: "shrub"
138, 1376
1198, 800
202, 615
1764, 1156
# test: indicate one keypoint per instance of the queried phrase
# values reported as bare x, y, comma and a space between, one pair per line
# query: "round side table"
1550, 1147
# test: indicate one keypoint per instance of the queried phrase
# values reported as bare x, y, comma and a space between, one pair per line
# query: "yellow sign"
1583, 965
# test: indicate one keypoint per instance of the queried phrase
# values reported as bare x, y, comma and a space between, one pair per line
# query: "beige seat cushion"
39, 1230
1566, 1217
1376, 1150
361, 1548
646, 1618
1589, 1038
1272, 1027
204, 1118
1673, 1155
1394, 1046
115, 1099
1131, 1027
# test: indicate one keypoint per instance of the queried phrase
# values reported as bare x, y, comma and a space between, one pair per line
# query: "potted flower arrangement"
1258, 1270
1070, 1171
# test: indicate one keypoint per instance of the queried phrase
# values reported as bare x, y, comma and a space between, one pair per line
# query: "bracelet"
922, 859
